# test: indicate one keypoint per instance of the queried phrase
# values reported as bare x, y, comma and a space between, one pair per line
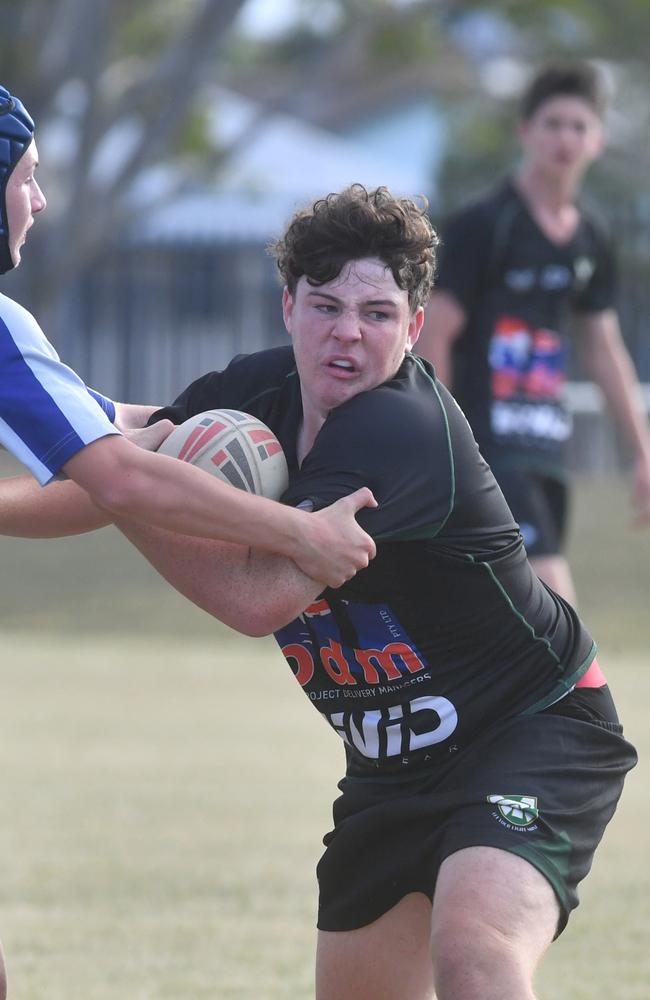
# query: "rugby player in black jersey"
484, 754
521, 268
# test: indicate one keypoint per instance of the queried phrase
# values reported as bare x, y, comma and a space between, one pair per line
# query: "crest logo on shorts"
517, 810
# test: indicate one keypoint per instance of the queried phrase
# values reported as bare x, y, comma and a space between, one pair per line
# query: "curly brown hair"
357, 223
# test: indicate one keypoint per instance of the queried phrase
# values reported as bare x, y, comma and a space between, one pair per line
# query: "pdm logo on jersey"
359, 667
517, 812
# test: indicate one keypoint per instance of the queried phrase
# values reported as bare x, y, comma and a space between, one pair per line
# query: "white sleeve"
47, 413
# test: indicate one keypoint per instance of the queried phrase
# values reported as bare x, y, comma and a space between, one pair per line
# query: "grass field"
165, 785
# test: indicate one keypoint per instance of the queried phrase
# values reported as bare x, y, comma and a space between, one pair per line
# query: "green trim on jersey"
514, 610
563, 686
433, 530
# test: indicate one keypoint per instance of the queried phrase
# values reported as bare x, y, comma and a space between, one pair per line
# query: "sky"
268, 18
271, 18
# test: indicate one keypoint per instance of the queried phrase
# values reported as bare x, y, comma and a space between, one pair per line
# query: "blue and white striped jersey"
47, 413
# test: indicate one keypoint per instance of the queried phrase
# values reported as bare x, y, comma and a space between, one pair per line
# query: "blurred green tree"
112, 87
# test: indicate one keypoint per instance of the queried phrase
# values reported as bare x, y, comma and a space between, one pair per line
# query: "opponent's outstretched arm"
128, 481
251, 591
29, 511
156, 489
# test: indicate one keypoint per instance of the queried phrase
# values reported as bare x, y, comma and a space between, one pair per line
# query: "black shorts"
539, 505
543, 787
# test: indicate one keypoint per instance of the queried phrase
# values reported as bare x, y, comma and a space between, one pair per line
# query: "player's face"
24, 199
349, 334
562, 138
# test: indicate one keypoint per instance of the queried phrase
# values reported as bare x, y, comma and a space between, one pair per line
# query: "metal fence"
155, 318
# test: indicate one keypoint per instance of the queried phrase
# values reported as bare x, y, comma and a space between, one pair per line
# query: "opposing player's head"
20, 195
358, 268
356, 223
561, 118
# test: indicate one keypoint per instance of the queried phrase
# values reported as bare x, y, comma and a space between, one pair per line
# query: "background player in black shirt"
514, 265
484, 754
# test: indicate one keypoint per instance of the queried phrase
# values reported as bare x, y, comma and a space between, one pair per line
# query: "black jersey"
517, 288
447, 631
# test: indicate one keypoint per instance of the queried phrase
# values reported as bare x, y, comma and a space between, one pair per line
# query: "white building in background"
278, 163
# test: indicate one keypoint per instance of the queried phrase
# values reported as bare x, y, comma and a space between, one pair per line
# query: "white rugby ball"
234, 446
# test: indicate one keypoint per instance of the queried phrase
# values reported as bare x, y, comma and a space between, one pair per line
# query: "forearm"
253, 592
625, 400
28, 510
608, 363
155, 489
443, 323
131, 483
439, 355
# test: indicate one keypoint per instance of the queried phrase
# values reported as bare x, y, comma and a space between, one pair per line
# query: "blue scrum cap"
16, 133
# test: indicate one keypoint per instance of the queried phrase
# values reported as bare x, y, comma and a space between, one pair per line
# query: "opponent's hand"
335, 546
150, 438
130, 416
641, 491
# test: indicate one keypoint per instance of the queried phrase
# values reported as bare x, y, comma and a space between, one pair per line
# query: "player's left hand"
641, 492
